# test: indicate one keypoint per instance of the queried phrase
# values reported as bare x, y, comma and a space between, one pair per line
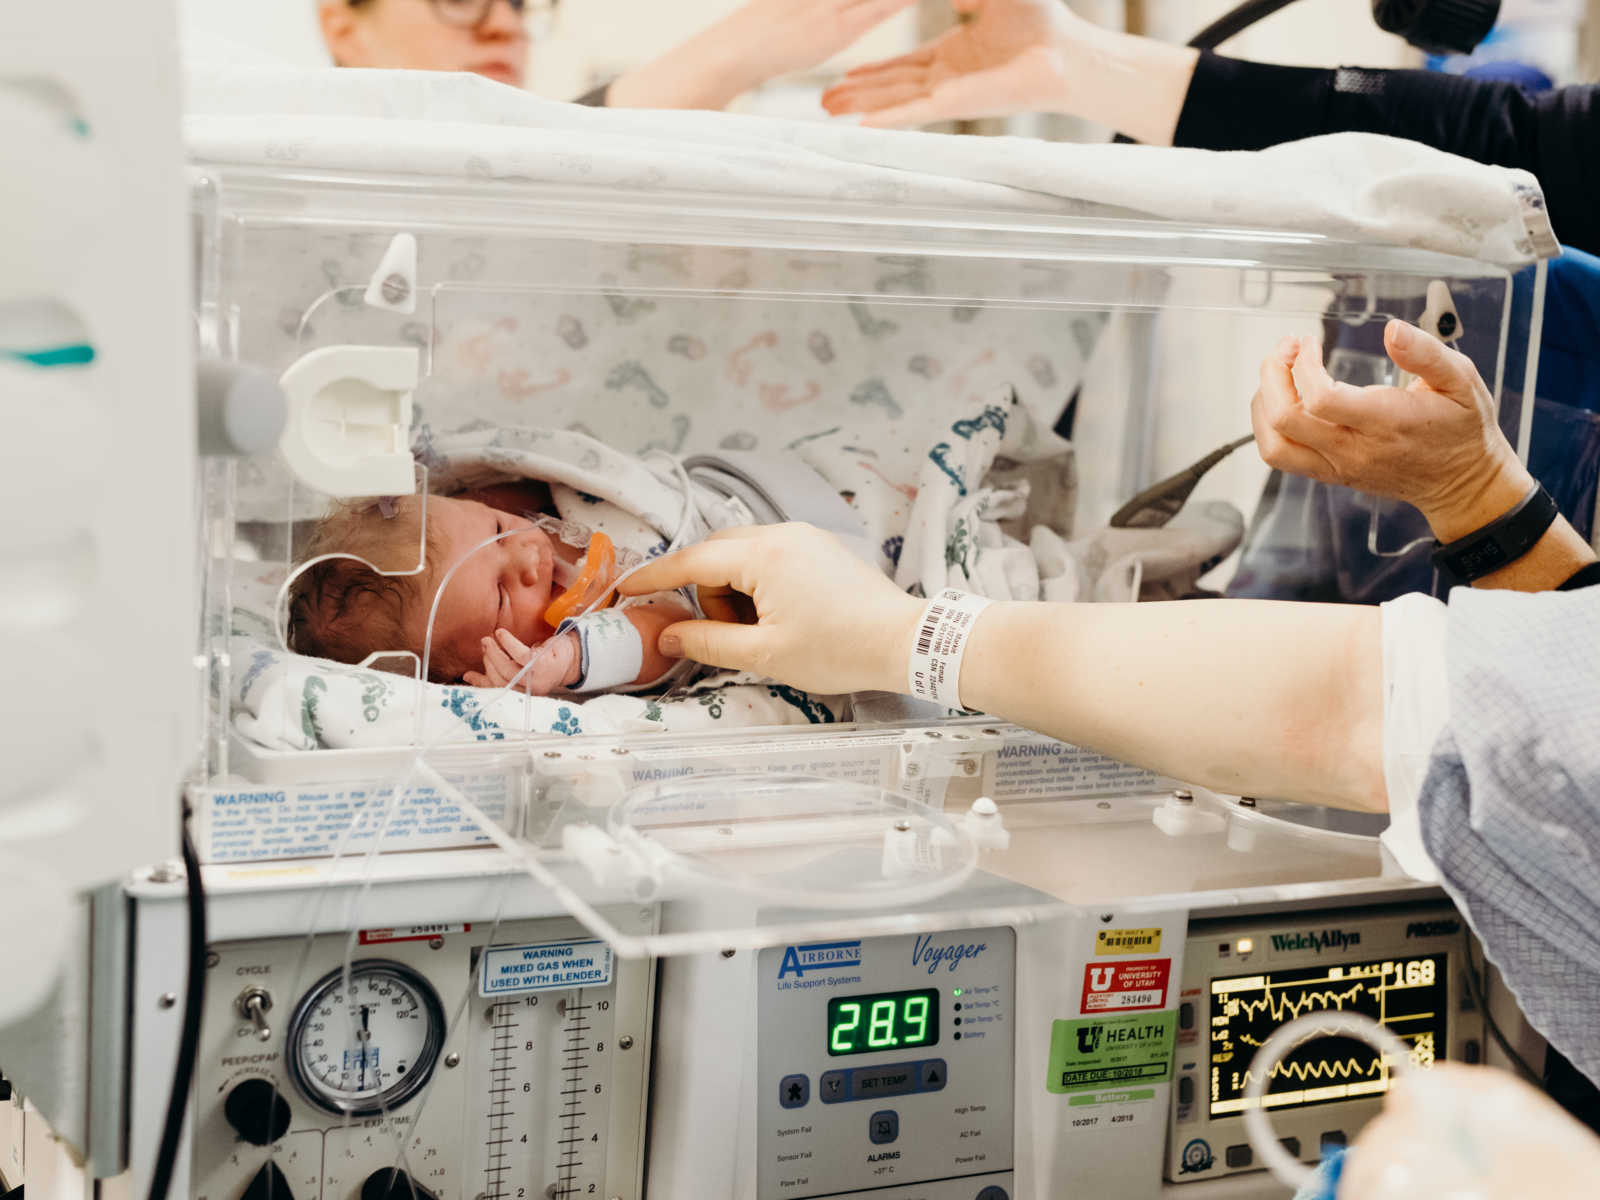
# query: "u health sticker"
1127, 941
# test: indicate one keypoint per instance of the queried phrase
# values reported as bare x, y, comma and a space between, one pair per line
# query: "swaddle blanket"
1357, 186
989, 476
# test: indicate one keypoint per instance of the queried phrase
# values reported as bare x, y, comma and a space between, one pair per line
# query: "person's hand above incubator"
1015, 56
758, 41
1012, 56
1434, 444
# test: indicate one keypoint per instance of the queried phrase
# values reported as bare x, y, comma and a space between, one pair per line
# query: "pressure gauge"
364, 1049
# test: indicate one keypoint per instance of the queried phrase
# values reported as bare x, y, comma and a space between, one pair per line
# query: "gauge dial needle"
366, 1038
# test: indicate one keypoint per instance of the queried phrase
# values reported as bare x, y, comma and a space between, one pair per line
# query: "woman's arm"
759, 41
1012, 56
1246, 696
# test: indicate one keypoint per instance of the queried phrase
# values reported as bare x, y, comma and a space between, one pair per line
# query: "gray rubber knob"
239, 410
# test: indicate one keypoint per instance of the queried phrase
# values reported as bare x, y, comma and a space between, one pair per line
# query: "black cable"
1480, 997
1236, 20
189, 1039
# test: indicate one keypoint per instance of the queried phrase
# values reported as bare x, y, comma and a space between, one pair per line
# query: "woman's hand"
556, 664
777, 37
1009, 56
756, 42
823, 620
1434, 444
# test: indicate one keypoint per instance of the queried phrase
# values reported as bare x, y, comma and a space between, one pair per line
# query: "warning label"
1103, 1052
1127, 941
551, 966
1125, 986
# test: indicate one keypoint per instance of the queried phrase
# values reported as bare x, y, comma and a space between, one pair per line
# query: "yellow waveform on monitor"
1286, 1008
1348, 1068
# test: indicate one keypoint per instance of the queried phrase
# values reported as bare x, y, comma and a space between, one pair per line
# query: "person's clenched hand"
789, 602
1008, 56
1434, 444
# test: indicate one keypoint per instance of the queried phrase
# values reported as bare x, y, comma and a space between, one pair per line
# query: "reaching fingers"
725, 604
1323, 397
733, 647
876, 101
718, 562
1280, 452
1446, 371
475, 679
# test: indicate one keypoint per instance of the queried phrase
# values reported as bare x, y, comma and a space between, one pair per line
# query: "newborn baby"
517, 593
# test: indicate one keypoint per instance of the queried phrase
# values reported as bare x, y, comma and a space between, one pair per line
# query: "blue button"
934, 1074
884, 1127
794, 1091
834, 1087
993, 1193
868, 1083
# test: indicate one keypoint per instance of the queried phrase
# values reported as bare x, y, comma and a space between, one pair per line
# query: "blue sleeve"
1510, 807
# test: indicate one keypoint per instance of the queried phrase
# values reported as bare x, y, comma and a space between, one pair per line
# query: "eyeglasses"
471, 14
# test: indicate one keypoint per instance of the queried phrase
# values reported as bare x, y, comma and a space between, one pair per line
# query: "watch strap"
1500, 542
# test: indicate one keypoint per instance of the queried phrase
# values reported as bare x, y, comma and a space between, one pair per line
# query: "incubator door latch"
944, 767
348, 429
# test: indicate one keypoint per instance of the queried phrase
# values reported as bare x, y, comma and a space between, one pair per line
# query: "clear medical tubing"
1396, 1055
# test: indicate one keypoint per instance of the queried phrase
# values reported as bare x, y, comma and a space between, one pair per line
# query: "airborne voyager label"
1327, 939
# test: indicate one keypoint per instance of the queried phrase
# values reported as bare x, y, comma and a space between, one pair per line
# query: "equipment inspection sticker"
1124, 986
1108, 1052
548, 967
1127, 941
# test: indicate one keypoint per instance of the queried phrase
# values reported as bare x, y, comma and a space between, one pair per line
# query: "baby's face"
504, 585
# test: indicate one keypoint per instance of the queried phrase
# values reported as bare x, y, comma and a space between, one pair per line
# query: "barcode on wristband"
934, 670
930, 622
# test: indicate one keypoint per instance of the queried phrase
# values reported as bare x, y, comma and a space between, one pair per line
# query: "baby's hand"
557, 663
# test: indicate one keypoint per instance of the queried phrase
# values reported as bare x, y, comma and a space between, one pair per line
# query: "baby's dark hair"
345, 610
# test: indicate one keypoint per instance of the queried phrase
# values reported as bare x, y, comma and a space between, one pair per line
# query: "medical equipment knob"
390, 1183
257, 1112
239, 409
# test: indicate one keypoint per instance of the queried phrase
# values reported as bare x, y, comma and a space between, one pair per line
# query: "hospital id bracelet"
939, 644
1504, 540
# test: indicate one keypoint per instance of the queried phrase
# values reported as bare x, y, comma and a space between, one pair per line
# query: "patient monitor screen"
1405, 994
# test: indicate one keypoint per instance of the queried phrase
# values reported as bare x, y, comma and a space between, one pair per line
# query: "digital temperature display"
883, 1021
1407, 995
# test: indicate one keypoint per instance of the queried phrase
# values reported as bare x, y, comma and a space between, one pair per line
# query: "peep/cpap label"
546, 967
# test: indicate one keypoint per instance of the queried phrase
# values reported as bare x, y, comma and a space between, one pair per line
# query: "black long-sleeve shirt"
1237, 105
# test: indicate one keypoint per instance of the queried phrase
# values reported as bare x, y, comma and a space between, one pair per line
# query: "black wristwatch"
1484, 551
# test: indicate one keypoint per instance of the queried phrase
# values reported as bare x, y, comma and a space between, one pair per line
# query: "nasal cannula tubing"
1396, 1056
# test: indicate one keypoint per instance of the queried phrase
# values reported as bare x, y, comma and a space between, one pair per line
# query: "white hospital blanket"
1361, 187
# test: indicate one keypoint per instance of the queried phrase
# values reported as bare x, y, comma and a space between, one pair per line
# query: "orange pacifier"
592, 589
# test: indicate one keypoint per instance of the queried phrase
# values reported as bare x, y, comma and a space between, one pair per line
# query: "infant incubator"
722, 938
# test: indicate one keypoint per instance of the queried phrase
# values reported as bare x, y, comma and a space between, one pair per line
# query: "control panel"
456, 1062
1404, 968
887, 1064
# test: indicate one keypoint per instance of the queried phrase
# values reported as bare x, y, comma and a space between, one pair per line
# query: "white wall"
285, 29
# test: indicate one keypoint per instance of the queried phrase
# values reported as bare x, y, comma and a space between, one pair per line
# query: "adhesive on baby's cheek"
939, 645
